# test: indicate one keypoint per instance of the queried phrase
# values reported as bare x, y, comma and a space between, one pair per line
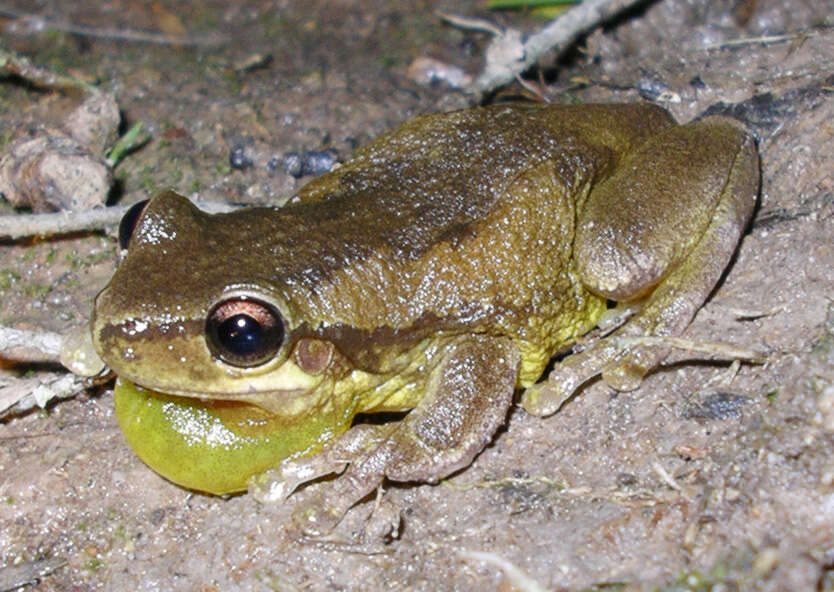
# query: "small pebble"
311, 162
239, 159
317, 162
293, 164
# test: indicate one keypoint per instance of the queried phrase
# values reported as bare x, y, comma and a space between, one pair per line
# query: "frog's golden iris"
437, 271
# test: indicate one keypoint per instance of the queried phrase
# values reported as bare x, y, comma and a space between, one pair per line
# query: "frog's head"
191, 311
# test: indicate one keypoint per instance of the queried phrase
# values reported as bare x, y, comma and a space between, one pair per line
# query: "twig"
21, 225
470, 24
74, 351
746, 314
764, 40
31, 346
60, 222
666, 477
39, 23
708, 348
26, 393
556, 36
11, 63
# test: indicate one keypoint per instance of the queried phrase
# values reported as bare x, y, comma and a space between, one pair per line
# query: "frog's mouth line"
282, 388
277, 401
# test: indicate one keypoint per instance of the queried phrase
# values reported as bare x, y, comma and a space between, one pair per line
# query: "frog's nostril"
244, 332
129, 222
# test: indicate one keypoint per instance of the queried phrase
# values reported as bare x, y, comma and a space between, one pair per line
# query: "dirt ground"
702, 479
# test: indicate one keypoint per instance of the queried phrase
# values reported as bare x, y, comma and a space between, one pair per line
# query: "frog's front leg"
661, 229
467, 397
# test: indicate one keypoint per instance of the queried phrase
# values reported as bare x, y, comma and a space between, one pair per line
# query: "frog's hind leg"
661, 229
467, 397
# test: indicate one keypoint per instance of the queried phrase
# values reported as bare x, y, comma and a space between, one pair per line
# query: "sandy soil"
701, 478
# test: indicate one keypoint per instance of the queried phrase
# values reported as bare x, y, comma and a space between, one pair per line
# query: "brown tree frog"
436, 272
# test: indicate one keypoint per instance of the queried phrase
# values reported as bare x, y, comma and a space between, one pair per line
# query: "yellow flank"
553, 334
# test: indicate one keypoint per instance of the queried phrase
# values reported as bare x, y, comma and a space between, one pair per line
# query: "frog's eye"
244, 332
129, 222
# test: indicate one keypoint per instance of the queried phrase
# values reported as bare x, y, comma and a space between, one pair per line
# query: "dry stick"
764, 40
134, 35
556, 36
26, 393
11, 63
711, 349
35, 345
39, 346
22, 225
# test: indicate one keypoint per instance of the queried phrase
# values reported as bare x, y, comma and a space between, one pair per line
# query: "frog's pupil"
240, 334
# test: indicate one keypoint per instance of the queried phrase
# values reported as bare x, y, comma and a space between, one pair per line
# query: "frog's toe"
622, 368
384, 522
545, 398
626, 374
276, 485
323, 512
317, 517
627, 370
623, 376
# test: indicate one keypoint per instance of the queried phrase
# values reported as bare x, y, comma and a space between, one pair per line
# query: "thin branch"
11, 63
26, 393
73, 350
18, 226
22, 225
39, 23
708, 348
556, 36
666, 477
470, 24
31, 346
764, 40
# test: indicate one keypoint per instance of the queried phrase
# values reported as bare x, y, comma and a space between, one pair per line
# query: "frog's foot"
622, 368
466, 400
703, 178
276, 485
547, 397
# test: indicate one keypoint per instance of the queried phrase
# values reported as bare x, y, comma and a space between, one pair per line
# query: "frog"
380, 324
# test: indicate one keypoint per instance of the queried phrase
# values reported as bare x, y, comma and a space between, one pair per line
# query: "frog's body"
438, 270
